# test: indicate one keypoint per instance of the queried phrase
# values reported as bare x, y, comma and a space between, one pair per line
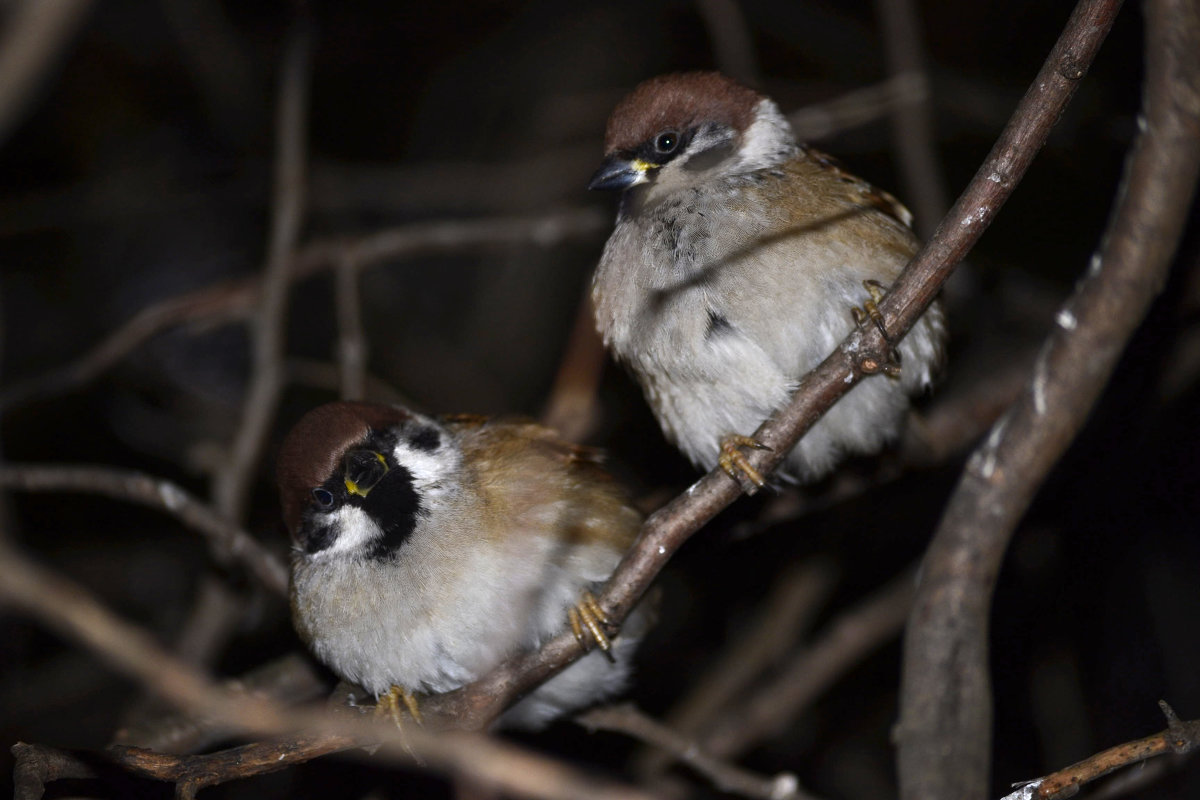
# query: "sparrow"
736, 261
426, 552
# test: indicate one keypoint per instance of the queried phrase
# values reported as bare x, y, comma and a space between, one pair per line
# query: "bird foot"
870, 311
392, 703
587, 620
735, 463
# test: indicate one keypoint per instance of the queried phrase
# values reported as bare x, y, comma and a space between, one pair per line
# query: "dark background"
142, 170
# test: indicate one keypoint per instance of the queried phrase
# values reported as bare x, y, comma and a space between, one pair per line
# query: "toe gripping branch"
870, 311
391, 703
587, 620
737, 466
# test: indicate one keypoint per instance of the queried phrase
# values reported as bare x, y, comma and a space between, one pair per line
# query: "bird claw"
870, 311
393, 702
737, 466
587, 620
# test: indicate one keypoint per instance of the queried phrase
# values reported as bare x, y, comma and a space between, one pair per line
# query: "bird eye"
666, 142
324, 498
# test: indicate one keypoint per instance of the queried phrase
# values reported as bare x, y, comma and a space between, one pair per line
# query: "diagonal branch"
1179, 738
237, 299
228, 542
945, 722
727, 777
233, 482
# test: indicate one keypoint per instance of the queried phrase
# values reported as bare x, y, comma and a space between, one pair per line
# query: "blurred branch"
956, 420
289, 680
847, 640
726, 777
572, 408
35, 37
236, 300
945, 726
228, 542
861, 354
912, 120
217, 58
797, 595
352, 340
329, 376
232, 485
733, 47
310, 732
231, 300
857, 108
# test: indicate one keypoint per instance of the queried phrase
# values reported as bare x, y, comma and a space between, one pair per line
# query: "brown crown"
313, 448
677, 102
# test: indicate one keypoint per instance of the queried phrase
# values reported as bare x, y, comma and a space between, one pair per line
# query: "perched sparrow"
737, 258
427, 552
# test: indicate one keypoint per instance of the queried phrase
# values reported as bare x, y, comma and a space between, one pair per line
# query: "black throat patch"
395, 506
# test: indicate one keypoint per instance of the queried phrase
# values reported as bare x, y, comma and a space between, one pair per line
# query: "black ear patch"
313, 537
427, 439
710, 157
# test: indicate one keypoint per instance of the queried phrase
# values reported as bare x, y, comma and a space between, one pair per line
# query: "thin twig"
727, 777
572, 408
352, 339
289, 680
228, 542
945, 725
848, 639
733, 48
856, 108
236, 300
232, 485
327, 375
798, 593
35, 35
912, 121
1180, 738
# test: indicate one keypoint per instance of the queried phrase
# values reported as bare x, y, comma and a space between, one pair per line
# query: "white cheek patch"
429, 470
769, 139
355, 529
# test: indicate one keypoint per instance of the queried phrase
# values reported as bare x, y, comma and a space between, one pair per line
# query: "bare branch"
328, 376
573, 407
289, 680
945, 726
225, 301
236, 300
912, 122
229, 543
798, 593
850, 637
232, 485
352, 340
733, 48
856, 108
727, 777
1179, 738
36, 35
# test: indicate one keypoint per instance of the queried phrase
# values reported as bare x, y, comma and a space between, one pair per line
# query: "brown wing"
857, 191
527, 472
